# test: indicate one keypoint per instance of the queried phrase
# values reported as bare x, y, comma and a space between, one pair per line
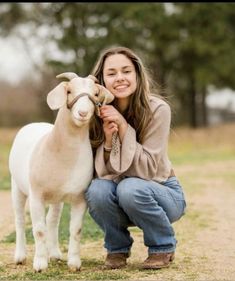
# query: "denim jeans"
149, 205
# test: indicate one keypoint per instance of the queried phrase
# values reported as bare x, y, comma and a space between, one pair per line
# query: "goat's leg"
78, 210
52, 221
18, 201
37, 211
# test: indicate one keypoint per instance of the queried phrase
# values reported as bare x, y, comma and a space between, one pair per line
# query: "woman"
135, 183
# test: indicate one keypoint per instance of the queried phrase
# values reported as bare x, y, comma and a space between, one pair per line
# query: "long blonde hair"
138, 113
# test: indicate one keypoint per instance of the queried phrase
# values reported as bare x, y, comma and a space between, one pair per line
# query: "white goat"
54, 164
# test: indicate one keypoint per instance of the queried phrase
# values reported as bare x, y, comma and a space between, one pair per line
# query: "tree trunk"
204, 107
192, 103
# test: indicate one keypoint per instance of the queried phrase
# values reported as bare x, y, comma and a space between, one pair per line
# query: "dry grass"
220, 136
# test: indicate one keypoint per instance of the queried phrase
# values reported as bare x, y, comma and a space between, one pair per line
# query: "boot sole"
159, 266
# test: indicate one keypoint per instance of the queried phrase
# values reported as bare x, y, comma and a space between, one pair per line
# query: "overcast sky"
14, 62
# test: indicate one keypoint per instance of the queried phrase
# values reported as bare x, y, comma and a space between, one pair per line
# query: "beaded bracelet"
107, 149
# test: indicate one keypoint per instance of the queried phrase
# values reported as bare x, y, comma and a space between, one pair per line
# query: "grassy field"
204, 162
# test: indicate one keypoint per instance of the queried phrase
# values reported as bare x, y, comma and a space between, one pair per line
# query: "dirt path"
212, 244
206, 240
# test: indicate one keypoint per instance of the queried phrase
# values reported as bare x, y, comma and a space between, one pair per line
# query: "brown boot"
158, 260
116, 260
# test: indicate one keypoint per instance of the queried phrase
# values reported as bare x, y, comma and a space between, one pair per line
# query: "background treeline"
187, 47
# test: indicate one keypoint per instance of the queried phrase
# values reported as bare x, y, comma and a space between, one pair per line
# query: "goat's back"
20, 154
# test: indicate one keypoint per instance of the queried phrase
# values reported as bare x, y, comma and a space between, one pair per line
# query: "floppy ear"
58, 96
104, 96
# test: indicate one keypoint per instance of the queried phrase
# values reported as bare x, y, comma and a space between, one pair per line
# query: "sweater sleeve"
135, 159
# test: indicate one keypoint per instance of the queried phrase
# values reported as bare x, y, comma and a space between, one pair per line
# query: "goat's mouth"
82, 119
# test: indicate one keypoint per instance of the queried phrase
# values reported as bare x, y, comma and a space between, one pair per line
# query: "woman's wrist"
107, 148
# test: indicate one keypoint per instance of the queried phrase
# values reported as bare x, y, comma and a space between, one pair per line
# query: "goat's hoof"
74, 268
74, 264
40, 264
56, 257
20, 261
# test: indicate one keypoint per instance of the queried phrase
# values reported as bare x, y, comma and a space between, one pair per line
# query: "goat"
52, 164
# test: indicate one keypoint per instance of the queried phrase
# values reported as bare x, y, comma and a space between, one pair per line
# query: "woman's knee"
131, 192
99, 193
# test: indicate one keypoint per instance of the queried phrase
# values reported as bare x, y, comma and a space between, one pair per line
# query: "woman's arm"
142, 160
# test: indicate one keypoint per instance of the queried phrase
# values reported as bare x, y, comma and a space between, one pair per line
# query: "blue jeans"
149, 205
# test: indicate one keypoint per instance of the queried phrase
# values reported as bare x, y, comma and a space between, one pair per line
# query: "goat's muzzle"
96, 103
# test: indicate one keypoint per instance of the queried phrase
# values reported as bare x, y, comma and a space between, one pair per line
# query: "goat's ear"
92, 77
57, 97
105, 96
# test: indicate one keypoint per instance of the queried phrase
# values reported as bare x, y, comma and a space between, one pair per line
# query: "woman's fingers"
113, 126
112, 116
107, 111
110, 125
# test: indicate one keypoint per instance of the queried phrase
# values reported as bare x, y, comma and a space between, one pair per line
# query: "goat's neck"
66, 134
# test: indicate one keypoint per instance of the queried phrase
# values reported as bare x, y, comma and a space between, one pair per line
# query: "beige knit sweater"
148, 160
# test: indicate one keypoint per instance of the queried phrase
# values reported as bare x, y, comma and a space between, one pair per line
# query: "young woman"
135, 184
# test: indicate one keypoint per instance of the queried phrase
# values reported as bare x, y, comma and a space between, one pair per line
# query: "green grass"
202, 156
4, 171
5, 182
57, 269
188, 153
90, 230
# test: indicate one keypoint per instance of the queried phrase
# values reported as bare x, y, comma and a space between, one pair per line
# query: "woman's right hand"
109, 129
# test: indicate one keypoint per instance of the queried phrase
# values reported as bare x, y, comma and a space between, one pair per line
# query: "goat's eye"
68, 92
96, 94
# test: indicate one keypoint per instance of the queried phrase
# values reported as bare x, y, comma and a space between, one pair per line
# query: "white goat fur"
52, 164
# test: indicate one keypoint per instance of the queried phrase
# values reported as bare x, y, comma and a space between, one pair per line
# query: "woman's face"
119, 76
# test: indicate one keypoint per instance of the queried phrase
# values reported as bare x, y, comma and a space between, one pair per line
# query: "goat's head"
82, 96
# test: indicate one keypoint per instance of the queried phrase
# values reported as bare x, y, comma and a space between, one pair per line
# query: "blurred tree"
186, 46
11, 14
206, 40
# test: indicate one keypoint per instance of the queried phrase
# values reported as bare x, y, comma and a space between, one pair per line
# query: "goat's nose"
82, 113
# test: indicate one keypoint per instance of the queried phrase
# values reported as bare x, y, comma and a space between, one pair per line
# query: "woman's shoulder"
156, 102
161, 111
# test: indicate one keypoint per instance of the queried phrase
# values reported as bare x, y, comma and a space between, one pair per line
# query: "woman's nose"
119, 76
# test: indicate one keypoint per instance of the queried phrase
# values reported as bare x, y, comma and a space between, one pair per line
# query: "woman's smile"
121, 87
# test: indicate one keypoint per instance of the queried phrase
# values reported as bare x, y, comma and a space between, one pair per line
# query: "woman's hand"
113, 122
110, 114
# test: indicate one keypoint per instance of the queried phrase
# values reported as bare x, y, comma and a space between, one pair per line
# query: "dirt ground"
206, 249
